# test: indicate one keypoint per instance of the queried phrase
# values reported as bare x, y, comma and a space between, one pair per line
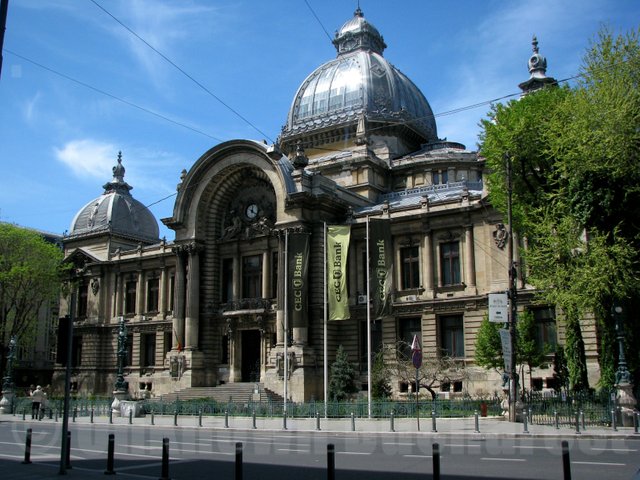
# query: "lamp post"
624, 387
120, 391
8, 394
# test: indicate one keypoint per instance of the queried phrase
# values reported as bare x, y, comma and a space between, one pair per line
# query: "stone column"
140, 295
178, 313
469, 257
427, 247
162, 293
266, 284
280, 289
192, 322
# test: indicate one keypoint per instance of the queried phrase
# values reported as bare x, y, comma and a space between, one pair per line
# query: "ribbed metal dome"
117, 212
359, 82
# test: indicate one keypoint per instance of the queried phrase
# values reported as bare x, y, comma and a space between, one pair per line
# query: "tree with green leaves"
29, 277
530, 352
380, 386
574, 154
488, 346
560, 370
342, 382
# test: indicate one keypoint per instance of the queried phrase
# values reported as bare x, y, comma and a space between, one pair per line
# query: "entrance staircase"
241, 392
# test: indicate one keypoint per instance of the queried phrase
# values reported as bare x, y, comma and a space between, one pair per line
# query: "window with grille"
153, 294
450, 263
252, 276
451, 336
410, 267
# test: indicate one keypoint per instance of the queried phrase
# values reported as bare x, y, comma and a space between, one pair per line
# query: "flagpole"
325, 347
286, 319
368, 325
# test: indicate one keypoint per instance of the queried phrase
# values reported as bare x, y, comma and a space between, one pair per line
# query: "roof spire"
117, 183
537, 69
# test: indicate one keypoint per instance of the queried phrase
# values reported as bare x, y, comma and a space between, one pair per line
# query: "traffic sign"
498, 308
416, 352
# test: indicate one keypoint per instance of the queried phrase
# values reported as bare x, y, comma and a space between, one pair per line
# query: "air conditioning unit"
443, 395
362, 299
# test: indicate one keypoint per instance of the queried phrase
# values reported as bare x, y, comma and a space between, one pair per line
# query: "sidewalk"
486, 426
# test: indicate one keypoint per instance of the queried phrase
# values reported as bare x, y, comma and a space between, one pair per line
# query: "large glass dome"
116, 211
359, 82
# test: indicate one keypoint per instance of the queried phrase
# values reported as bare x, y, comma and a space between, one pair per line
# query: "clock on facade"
252, 211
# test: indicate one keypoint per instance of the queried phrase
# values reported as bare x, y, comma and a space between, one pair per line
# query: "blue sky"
59, 139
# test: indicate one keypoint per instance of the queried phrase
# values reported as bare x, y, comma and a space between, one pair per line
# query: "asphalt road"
296, 455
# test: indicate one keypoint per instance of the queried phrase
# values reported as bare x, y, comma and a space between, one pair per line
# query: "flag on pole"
338, 237
298, 253
381, 266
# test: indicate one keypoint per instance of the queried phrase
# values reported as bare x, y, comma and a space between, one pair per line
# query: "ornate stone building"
360, 143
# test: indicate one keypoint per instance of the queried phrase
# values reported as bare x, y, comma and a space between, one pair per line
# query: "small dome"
116, 211
360, 82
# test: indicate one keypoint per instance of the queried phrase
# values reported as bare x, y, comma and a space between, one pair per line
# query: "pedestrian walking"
37, 396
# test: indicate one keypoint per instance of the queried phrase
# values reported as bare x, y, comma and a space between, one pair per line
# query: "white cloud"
88, 158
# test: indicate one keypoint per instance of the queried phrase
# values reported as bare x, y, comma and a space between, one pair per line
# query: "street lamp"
120, 390
624, 387
8, 394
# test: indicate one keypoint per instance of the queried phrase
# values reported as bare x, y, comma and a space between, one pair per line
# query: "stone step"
229, 392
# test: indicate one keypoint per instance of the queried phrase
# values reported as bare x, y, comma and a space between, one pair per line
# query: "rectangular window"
83, 299
153, 294
451, 336
410, 267
167, 339
546, 336
274, 274
130, 297
440, 177
227, 280
76, 351
450, 263
172, 290
252, 276
129, 360
407, 329
148, 345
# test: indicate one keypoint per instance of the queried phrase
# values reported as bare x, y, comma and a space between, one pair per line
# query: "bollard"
391, 420
238, 461
331, 461
566, 464
556, 419
253, 416
525, 421
110, 415
582, 421
436, 461
284, 420
577, 424
68, 453
318, 421
110, 450
24, 414
226, 419
56, 415
92, 415
153, 421
636, 422
164, 475
50, 413
613, 420
433, 421
27, 448
75, 412
477, 422
353, 422
175, 418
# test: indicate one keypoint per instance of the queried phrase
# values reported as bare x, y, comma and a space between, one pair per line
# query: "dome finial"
117, 183
534, 43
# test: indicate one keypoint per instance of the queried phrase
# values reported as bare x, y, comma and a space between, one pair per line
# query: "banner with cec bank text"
337, 247
298, 258
381, 266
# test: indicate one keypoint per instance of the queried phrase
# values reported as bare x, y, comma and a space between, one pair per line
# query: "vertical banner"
337, 247
297, 284
381, 264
